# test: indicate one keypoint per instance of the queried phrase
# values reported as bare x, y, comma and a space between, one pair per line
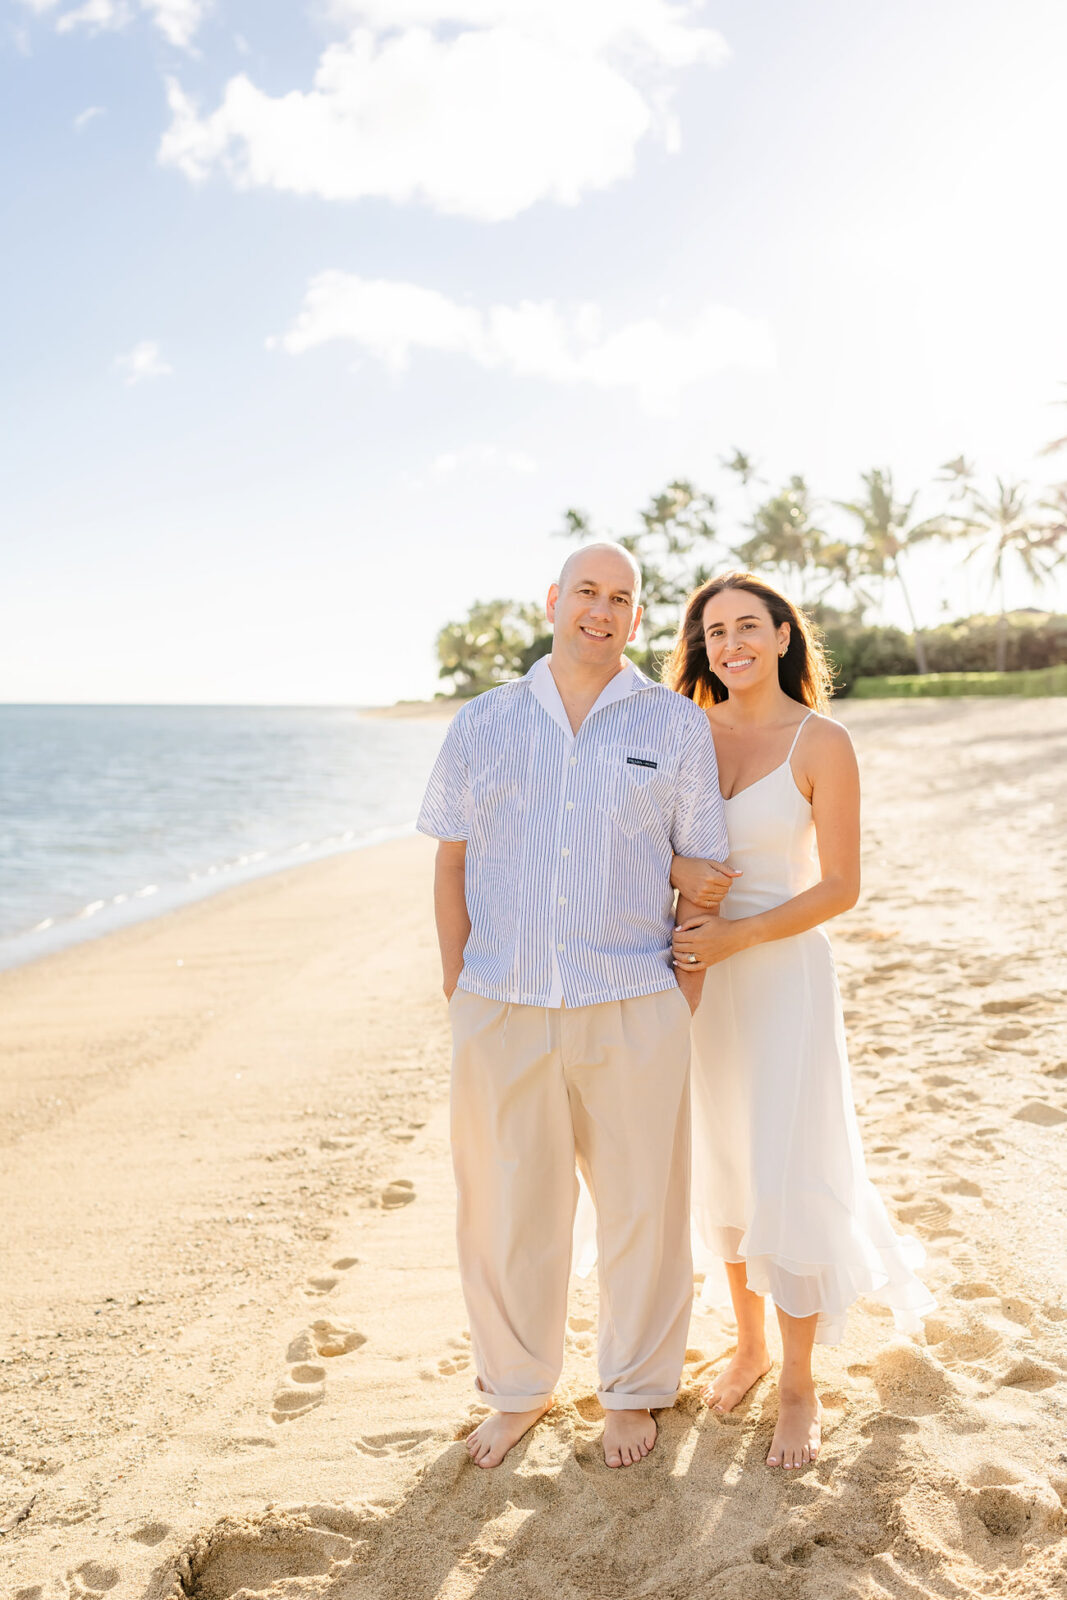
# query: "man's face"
593, 609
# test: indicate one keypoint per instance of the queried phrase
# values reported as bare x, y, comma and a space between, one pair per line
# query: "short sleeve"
446, 806
699, 814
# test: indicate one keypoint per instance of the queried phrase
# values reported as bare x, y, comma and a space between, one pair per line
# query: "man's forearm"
690, 983
453, 919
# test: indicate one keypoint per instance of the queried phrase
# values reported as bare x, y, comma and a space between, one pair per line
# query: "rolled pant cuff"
612, 1400
512, 1402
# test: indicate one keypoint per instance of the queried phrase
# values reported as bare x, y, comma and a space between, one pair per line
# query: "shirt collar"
543, 688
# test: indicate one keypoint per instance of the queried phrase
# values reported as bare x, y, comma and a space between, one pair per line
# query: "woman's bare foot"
798, 1431
492, 1439
736, 1379
628, 1437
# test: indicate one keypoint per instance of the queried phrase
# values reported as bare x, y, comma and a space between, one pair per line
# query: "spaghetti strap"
796, 736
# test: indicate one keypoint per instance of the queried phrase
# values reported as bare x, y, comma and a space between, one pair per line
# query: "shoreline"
129, 910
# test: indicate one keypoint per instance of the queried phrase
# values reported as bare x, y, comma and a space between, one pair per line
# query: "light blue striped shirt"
570, 836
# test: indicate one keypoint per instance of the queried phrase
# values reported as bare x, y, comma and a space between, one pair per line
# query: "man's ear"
638, 614
550, 603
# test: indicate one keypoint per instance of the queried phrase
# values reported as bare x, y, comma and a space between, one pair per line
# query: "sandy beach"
235, 1360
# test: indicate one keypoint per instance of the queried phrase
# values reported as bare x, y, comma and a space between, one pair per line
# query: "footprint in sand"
1009, 1506
277, 1552
448, 1366
931, 1217
315, 1288
401, 1192
910, 1380
973, 1345
302, 1392
1011, 1032
401, 1443
1031, 1375
345, 1263
91, 1579
334, 1338
1039, 1111
152, 1533
1000, 1008
963, 1186
241, 1442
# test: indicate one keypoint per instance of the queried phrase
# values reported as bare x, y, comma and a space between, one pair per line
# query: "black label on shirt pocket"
639, 761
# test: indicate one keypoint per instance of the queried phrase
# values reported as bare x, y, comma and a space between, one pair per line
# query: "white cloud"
478, 458
143, 361
507, 104
83, 118
95, 14
177, 20
392, 321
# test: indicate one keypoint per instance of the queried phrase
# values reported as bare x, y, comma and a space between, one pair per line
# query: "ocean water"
112, 813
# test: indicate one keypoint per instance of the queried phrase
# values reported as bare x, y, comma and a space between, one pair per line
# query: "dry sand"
235, 1360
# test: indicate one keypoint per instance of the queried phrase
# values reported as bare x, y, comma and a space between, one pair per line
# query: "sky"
318, 316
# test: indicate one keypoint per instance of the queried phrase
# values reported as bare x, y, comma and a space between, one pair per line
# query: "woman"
780, 1191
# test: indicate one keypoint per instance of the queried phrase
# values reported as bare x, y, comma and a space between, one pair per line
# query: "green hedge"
1042, 682
1032, 639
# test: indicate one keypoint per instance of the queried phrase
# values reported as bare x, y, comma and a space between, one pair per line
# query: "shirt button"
559, 947
574, 761
565, 851
562, 901
570, 805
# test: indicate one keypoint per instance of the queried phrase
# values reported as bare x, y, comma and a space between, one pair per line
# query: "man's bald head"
595, 608
592, 555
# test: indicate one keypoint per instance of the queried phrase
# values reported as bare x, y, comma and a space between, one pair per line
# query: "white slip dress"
779, 1179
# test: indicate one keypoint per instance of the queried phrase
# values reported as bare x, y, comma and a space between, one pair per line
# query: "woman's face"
741, 639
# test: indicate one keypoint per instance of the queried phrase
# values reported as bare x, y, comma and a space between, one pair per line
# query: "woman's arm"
689, 975
835, 805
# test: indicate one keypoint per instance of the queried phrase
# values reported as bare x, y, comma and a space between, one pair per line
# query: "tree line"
684, 536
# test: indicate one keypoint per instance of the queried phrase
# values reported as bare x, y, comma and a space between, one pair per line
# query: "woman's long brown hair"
804, 671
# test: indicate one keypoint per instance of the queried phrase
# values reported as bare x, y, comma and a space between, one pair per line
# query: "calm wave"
109, 813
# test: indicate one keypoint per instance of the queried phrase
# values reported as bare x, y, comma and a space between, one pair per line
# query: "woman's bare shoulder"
827, 732
827, 745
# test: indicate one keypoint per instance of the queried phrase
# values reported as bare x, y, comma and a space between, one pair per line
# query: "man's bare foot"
736, 1379
492, 1439
628, 1437
798, 1431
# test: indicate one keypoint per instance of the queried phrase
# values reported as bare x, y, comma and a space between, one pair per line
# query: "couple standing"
569, 805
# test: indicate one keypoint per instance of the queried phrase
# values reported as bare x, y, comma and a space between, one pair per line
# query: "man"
558, 800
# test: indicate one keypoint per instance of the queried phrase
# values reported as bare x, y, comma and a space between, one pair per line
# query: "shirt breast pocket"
634, 788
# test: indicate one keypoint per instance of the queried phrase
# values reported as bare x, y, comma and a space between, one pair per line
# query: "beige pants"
534, 1089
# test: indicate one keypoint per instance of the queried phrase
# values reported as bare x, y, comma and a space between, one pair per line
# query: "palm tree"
786, 539
1005, 524
495, 641
886, 533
